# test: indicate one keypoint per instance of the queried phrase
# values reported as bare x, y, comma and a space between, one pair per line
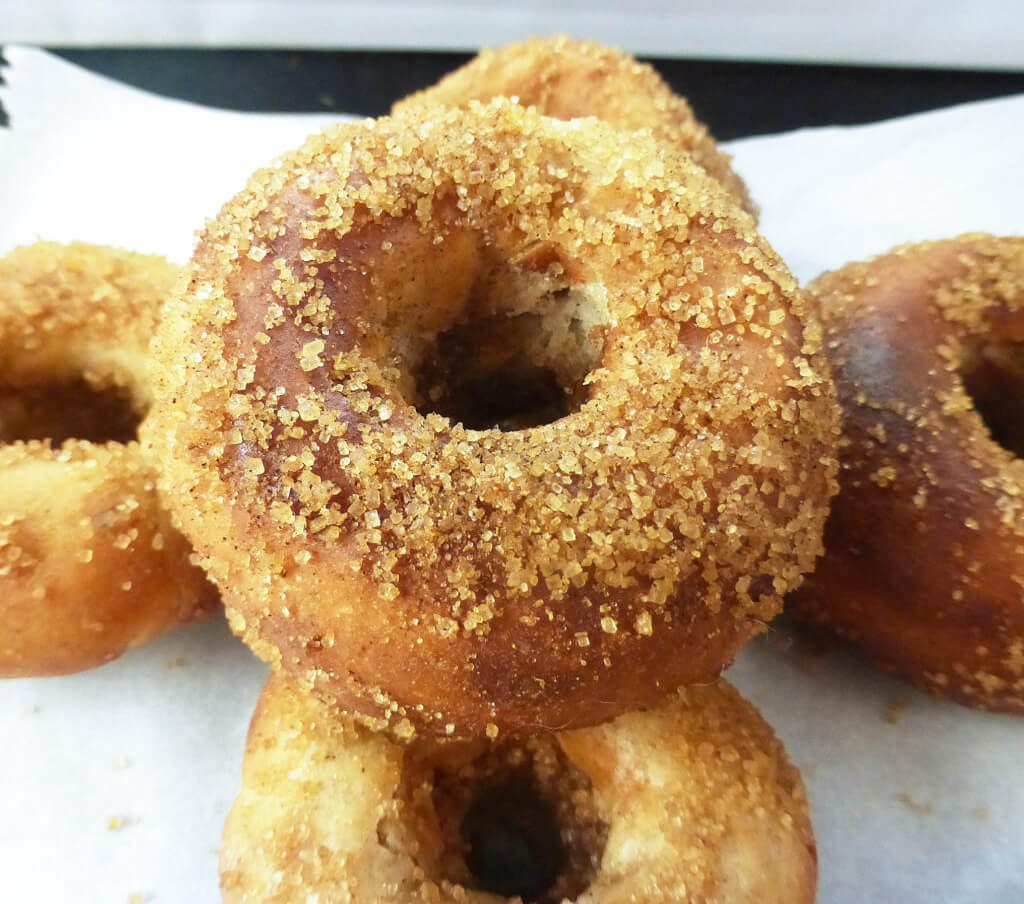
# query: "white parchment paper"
114, 784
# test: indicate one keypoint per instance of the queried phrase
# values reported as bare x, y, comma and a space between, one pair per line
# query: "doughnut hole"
512, 337
513, 845
517, 820
993, 376
66, 409
501, 372
519, 353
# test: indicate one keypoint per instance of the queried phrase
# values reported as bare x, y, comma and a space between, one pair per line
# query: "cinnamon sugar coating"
694, 801
924, 564
429, 575
566, 79
90, 564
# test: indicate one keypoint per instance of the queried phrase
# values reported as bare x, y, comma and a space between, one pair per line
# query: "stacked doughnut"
500, 431
90, 564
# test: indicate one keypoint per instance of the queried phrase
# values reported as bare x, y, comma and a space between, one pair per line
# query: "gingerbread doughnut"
694, 801
924, 564
89, 562
484, 421
567, 79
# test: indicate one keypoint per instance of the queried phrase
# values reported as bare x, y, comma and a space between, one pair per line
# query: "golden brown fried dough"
485, 421
693, 801
924, 564
567, 79
89, 562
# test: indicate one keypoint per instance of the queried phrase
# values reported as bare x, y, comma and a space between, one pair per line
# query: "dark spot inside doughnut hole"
513, 844
71, 409
520, 351
993, 376
518, 821
505, 391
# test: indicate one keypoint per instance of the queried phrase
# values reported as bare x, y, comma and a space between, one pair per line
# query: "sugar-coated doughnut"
924, 564
693, 801
566, 79
89, 562
484, 421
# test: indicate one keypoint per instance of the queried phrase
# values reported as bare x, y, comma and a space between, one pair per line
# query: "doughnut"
483, 421
924, 563
90, 564
693, 801
567, 79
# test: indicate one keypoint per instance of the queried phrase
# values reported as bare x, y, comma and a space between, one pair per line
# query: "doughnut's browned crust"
430, 575
696, 797
924, 569
89, 562
566, 79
